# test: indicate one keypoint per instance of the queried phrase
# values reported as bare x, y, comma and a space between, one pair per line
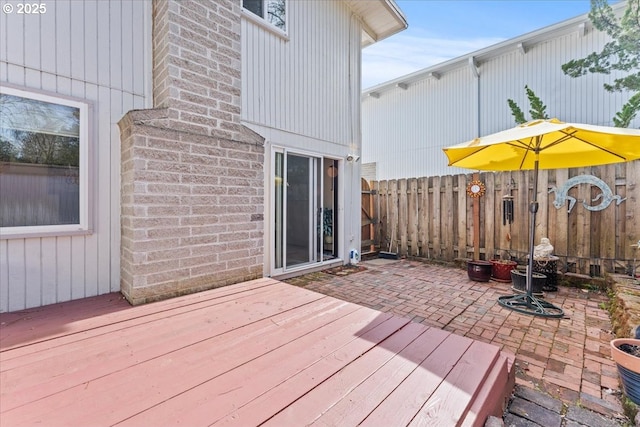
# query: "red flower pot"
501, 270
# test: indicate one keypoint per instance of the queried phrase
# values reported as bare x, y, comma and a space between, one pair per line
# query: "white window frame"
85, 224
262, 21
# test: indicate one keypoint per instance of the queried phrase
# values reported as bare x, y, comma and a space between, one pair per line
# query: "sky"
440, 30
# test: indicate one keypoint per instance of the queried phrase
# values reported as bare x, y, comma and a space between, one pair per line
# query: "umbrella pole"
528, 303
533, 210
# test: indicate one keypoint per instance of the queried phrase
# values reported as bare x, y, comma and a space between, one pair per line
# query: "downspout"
476, 73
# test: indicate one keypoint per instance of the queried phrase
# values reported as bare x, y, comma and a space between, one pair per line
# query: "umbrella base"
528, 304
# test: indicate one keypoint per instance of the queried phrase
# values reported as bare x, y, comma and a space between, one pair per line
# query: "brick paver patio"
568, 358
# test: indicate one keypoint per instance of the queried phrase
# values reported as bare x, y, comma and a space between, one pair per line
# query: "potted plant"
626, 353
327, 225
501, 269
519, 279
478, 270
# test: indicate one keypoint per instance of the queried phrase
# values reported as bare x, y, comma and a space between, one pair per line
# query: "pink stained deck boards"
247, 354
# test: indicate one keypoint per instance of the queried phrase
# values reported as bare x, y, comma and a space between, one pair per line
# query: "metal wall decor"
606, 196
475, 188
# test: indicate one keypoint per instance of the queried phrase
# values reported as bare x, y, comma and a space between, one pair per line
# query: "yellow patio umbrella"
544, 144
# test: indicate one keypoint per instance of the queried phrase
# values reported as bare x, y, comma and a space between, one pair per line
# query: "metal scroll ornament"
475, 189
605, 196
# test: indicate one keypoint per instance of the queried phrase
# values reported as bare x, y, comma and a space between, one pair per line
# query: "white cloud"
405, 53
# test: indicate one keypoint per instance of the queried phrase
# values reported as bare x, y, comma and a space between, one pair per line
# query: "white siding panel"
16, 269
126, 54
102, 200
31, 39
63, 37
78, 265
114, 178
103, 49
4, 36
63, 268
47, 42
4, 276
15, 74
138, 56
15, 40
91, 41
4, 72
307, 84
33, 272
92, 242
92, 50
49, 272
77, 41
115, 45
48, 82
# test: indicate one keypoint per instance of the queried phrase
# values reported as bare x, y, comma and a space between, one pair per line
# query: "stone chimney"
192, 181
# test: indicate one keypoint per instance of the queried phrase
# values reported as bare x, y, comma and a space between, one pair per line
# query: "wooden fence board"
521, 224
412, 195
461, 241
383, 215
489, 216
560, 242
393, 215
447, 218
631, 233
542, 219
423, 227
436, 226
403, 216
432, 217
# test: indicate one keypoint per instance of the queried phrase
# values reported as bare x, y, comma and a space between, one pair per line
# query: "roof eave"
380, 19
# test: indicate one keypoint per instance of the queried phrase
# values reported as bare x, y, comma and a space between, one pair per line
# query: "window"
43, 164
272, 11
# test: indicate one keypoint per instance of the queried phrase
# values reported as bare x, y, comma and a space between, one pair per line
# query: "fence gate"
368, 217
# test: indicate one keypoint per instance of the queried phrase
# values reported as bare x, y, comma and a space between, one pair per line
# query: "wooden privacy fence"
432, 217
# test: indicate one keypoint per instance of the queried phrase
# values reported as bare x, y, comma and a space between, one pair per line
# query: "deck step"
493, 396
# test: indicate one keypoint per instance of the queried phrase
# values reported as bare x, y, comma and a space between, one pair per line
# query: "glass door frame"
279, 242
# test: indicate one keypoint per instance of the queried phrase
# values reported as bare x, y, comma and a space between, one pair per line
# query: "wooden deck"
260, 352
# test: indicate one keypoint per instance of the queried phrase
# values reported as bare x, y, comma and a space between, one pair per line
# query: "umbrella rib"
528, 148
599, 147
468, 155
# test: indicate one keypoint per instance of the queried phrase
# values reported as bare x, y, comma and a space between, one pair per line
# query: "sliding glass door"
297, 210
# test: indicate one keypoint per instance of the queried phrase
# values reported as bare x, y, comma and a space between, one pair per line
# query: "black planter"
479, 271
519, 279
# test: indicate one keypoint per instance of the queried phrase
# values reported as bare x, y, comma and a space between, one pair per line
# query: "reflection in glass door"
297, 210
301, 224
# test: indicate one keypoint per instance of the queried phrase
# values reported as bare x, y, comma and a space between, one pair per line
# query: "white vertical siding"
431, 114
303, 92
579, 100
307, 84
91, 50
404, 130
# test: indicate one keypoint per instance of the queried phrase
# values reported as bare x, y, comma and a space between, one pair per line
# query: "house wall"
178, 122
95, 51
306, 97
404, 131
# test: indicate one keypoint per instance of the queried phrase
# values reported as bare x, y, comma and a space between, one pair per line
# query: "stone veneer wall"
192, 180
